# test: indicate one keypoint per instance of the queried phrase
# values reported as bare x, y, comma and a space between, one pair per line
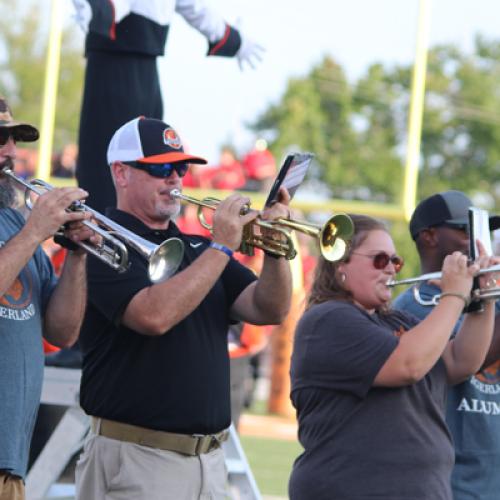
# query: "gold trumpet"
476, 294
163, 260
333, 236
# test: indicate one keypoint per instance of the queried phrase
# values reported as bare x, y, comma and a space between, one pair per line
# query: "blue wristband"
222, 248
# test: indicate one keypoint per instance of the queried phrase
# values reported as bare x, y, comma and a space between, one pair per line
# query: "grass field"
271, 462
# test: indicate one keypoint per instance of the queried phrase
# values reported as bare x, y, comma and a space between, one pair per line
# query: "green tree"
461, 147
378, 109
349, 129
23, 42
359, 132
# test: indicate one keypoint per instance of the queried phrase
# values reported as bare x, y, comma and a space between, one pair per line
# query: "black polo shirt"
177, 382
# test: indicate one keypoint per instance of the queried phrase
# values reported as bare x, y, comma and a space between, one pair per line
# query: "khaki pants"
109, 469
11, 487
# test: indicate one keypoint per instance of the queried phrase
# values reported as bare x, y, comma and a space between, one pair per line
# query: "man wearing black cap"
32, 302
439, 226
155, 373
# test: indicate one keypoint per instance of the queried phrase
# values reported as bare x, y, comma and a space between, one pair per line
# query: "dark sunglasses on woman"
381, 260
161, 170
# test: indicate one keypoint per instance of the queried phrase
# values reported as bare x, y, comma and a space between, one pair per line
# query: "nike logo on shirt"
195, 245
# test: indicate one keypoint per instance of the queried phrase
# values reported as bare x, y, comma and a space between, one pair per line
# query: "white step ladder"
61, 387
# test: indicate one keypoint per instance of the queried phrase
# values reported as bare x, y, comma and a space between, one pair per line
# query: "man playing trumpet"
32, 302
155, 362
439, 226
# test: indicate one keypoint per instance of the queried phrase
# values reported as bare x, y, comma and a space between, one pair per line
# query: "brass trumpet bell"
333, 236
164, 259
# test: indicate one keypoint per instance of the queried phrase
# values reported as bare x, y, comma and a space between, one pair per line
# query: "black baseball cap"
148, 140
449, 207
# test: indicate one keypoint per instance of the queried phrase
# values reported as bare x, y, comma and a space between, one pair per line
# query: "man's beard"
170, 211
7, 191
7, 194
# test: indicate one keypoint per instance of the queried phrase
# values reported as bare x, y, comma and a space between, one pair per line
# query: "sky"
210, 101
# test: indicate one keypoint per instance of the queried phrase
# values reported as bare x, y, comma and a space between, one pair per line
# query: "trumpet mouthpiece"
8, 164
175, 193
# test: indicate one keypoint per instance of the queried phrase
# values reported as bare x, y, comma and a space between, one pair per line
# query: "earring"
342, 277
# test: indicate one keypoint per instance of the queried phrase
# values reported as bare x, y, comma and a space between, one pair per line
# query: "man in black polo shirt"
155, 361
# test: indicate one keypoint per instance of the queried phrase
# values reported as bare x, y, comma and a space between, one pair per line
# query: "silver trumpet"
476, 294
163, 260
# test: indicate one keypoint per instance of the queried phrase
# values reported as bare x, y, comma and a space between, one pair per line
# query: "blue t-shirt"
21, 354
473, 416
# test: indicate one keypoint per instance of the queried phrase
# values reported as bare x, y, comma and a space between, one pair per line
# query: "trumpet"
333, 236
476, 294
163, 260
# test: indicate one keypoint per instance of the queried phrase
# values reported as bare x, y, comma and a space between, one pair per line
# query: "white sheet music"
291, 175
297, 172
480, 229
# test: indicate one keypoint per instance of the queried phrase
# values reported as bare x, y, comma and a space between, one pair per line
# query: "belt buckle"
205, 443
200, 443
214, 443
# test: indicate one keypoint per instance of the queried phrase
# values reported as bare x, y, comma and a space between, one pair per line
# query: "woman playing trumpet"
369, 383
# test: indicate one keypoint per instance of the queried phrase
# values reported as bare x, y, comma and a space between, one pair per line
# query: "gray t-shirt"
21, 353
473, 416
362, 441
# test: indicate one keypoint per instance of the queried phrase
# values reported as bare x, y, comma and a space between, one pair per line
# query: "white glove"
83, 14
250, 52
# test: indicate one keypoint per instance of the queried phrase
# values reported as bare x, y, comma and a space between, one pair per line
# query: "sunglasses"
5, 134
161, 170
381, 260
